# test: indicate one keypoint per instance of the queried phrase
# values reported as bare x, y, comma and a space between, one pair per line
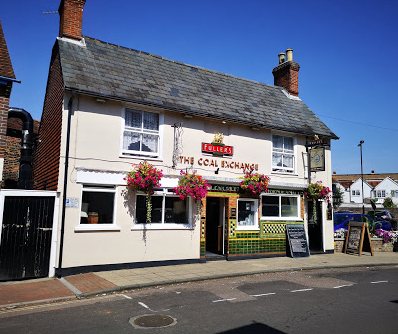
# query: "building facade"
108, 108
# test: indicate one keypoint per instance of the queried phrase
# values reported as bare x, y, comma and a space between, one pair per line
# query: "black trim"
118, 266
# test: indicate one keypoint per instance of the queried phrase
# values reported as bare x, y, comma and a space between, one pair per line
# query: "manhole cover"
152, 321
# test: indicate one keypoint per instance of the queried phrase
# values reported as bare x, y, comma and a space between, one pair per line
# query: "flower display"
191, 185
387, 235
317, 191
145, 177
254, 183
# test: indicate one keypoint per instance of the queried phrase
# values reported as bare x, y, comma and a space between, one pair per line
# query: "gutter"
9, 79
61, 244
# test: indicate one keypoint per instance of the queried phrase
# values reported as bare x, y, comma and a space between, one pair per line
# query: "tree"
337, 197
388, 203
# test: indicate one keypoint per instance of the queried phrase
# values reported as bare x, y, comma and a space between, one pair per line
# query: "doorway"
215, 211
315, 235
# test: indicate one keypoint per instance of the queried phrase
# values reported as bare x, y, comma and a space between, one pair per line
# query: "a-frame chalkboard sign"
358, 239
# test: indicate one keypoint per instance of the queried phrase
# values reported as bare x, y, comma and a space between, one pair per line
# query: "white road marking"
342, 286
264, 294
147, 307
223, 300
301, 290
126, 296
379, 282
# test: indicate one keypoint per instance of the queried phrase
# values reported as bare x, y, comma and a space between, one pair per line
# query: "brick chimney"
71, 18
286, 73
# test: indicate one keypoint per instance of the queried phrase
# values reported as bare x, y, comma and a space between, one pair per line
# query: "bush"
388, 203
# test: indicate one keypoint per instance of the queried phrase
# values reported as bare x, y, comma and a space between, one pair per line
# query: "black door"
26, 237
213, 226
315, 228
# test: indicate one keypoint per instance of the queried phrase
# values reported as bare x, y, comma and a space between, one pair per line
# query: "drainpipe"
25, 165
61, 244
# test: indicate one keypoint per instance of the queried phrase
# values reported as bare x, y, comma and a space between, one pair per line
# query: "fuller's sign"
217, 149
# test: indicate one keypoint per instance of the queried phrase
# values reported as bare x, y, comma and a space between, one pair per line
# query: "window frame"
355, 192
164, 192
256, 226
159, 133
381, 192
98, 227
280, 218
281, 169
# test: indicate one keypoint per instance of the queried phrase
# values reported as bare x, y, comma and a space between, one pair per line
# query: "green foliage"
373, 225
388, 203
337, 197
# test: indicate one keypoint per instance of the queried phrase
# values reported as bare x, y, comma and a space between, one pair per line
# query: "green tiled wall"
202, 238
270, 239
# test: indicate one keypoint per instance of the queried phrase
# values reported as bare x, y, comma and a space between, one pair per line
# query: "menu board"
358, 238
297, 240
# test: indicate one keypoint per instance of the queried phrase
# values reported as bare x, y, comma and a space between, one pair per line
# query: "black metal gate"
25, 242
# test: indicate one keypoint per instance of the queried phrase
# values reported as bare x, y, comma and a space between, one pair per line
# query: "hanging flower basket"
316, 191
191, 185
145, 177
254, 183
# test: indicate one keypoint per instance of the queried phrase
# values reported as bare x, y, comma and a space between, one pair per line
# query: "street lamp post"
360, 147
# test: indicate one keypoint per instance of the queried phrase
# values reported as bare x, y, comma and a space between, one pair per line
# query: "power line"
354, 122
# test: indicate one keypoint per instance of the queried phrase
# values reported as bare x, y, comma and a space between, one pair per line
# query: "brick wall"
13, 151
4, 106
47, 154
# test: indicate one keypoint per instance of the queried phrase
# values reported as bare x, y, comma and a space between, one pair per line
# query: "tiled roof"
5, 61
111, 71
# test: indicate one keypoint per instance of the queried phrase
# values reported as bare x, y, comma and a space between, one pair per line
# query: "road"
320, 301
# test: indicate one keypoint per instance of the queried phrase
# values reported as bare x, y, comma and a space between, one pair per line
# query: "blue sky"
345, 49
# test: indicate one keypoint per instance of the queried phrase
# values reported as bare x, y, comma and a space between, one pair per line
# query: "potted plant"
192, 185
316, 191
254, 183
145, 177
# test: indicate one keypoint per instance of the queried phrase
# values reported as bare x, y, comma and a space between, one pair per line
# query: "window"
97, 206
380, 193
355, 192
282, 154
168, 210
280, 206
141, 133
247, 214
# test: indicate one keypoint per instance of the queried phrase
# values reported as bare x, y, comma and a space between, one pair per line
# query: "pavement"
45, 290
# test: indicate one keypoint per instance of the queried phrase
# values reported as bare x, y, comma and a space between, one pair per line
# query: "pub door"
215, 208
315, 235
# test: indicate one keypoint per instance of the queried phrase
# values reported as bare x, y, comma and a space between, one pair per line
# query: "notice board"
297, 240
358, 238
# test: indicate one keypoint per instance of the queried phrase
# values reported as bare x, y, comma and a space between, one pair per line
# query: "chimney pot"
289, 54
281, 58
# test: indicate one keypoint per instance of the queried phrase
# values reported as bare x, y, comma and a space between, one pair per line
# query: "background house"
376, 186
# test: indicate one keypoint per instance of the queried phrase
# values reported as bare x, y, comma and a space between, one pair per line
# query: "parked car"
341, 220
386, 215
